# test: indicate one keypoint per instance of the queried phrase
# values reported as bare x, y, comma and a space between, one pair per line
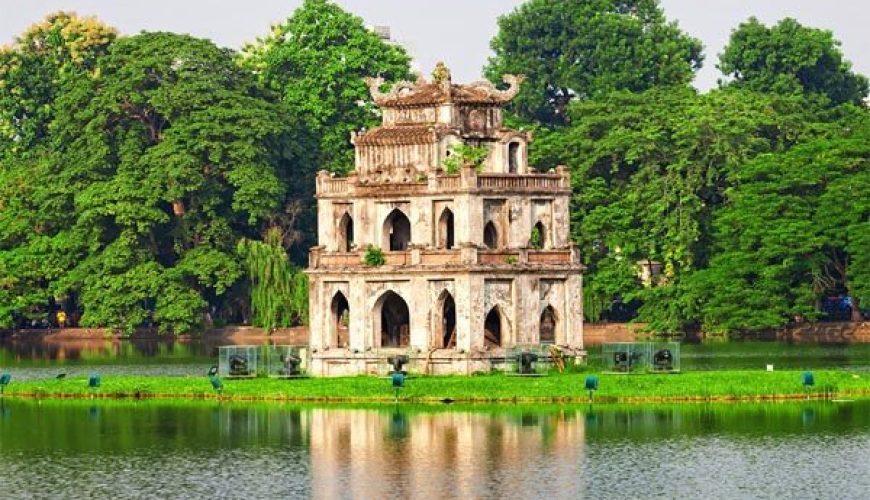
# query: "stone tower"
476, 257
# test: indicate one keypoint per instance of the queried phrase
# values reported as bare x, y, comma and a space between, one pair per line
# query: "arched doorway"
547, 328
490, 235
492, 329
513, 157
345, 233
397, 231
340, 320
445, 229
448, 321
395, 320
538, 238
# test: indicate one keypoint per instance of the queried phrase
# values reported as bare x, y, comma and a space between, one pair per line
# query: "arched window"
340, 320
513, 157
395, 320
448, 321
538, 238
490, 235
345, 233
547, 329
445, 229
492, 328
397, 231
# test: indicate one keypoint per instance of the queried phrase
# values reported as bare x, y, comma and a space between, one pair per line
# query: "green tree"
585, 48
159, 165
32, 71
649, 171
317, 60
789, 57
279, 291
794, 230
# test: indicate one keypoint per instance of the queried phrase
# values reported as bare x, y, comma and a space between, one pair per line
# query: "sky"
454, 31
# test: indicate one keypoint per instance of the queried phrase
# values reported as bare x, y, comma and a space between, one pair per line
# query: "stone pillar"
359, 313
467, 291
316, 324
474, 313
420, 310
574, 310
528, 305
468, 253
325, 225
468, 176
416, 254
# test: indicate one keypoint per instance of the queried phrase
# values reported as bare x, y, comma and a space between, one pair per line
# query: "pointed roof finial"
441, 74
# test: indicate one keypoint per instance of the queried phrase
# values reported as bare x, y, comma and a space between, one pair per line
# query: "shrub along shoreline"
722, 386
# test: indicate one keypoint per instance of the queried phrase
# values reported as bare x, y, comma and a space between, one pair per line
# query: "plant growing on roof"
374, 256
464, 154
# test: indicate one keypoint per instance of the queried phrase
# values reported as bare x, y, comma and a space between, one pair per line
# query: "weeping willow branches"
279, 291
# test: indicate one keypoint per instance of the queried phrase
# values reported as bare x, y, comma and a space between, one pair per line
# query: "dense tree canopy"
317, 60
651, 170
585, 48
788, 57
33, 69
158, 180
159, 165
796, 227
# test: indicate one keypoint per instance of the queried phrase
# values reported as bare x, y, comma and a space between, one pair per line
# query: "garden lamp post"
591, 385
4, 381
808, 382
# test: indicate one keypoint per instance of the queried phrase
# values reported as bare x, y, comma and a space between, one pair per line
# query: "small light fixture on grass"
94, 381
398, 381
216, 384
291, 364
591, 385
808, 381
526, 361
398, 362
4, 381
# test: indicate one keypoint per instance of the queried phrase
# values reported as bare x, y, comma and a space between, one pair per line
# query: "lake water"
152, 449
41, 359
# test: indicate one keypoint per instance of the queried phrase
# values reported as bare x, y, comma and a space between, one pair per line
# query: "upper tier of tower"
424, 121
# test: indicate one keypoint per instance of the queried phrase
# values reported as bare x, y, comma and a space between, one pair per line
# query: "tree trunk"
856, 310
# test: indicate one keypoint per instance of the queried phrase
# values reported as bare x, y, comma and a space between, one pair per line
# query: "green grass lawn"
688, 386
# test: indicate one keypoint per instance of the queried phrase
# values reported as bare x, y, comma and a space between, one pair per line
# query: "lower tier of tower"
445, 322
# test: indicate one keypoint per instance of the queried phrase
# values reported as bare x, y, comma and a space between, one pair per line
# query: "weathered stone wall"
517, 295
514, 217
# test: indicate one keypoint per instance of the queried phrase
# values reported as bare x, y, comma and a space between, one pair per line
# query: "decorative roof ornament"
440, 73
442, 90
513, 81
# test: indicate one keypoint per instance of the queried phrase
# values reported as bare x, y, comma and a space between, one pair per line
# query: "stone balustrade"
471, 255
469, 181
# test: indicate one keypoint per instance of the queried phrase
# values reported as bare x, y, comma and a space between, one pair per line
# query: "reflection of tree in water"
95, 350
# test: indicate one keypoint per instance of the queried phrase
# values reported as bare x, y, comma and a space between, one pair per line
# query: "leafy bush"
463, 154
374, 256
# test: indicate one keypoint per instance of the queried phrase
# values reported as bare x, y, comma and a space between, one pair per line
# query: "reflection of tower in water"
369, 454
